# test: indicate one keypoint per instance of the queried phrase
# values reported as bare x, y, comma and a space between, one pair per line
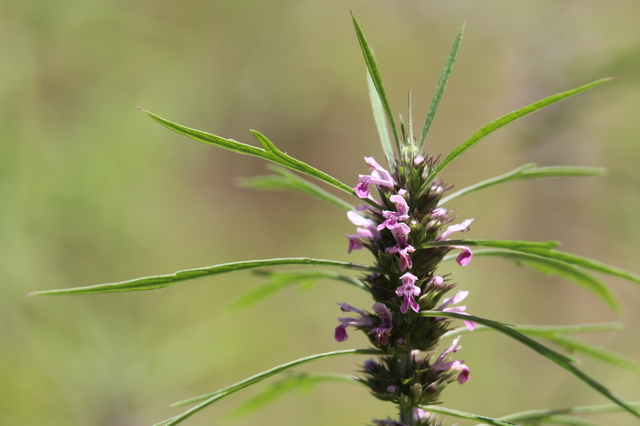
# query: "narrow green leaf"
302, 382
504, 244
285, 180
528, 171
442, 84
506, 119
271, 153
544, 330
210, 398
462, 415
561, 269
583, 262
160, 281
278, 280
372, 67
552, 355
539, 415
603, 355
380, 120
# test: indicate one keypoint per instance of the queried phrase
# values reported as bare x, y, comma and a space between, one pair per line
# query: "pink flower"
463, 258
383, 330
378, 177
441, 365
459, 297
341, 331
409, 290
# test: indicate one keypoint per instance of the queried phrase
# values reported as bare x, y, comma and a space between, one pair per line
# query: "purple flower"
378, 177
366, 231
461, 227
463, 258
341, 331
437, 281
409, 290
384, 329
439, 213
400, 215
459, 297
400, 232
441, 365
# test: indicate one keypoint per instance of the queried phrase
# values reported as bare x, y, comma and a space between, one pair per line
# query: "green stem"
406, 412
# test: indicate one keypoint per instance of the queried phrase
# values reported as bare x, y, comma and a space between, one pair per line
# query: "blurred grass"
92, 191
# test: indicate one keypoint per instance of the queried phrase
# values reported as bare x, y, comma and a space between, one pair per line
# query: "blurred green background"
93, 191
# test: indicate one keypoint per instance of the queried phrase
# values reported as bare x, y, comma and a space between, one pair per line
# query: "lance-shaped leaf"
556, 357
160, 281
284, 180
543, 330
269, 151
528, 171
380, 120
532, 416
278, 280
550, 266
442, 84
462, 415
372, 67
209, 398
502, 121
503, 244
556, 335
296, 381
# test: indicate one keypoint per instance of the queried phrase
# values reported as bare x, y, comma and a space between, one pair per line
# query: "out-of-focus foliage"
93, 191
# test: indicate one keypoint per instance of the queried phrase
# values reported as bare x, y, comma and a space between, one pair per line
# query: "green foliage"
442, 84
558, 358
504, 120
284, 180
268, 152
161, 281
528, 171
209, 398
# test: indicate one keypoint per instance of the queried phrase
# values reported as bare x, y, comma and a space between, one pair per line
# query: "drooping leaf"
602, 355
561, 269
160, 281
544, 330
372, 67
556, 335
504, 120
528, 171
301, 382
462, 415
278, 280
548, 353
542, 415
503, 244
269, 152
442, 84
284, 180
209, 398
380, 120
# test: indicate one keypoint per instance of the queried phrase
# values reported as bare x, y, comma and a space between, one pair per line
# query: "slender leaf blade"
462, 415
528, 171
556, 357
278, 280
543, 330
210, 398
160, 281
538, 415
372, 67
285, 180
504, 120
440, 87
561, 269
380, 120
503, 244
302, 382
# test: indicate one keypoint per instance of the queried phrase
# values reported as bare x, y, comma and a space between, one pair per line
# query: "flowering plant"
405, 225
